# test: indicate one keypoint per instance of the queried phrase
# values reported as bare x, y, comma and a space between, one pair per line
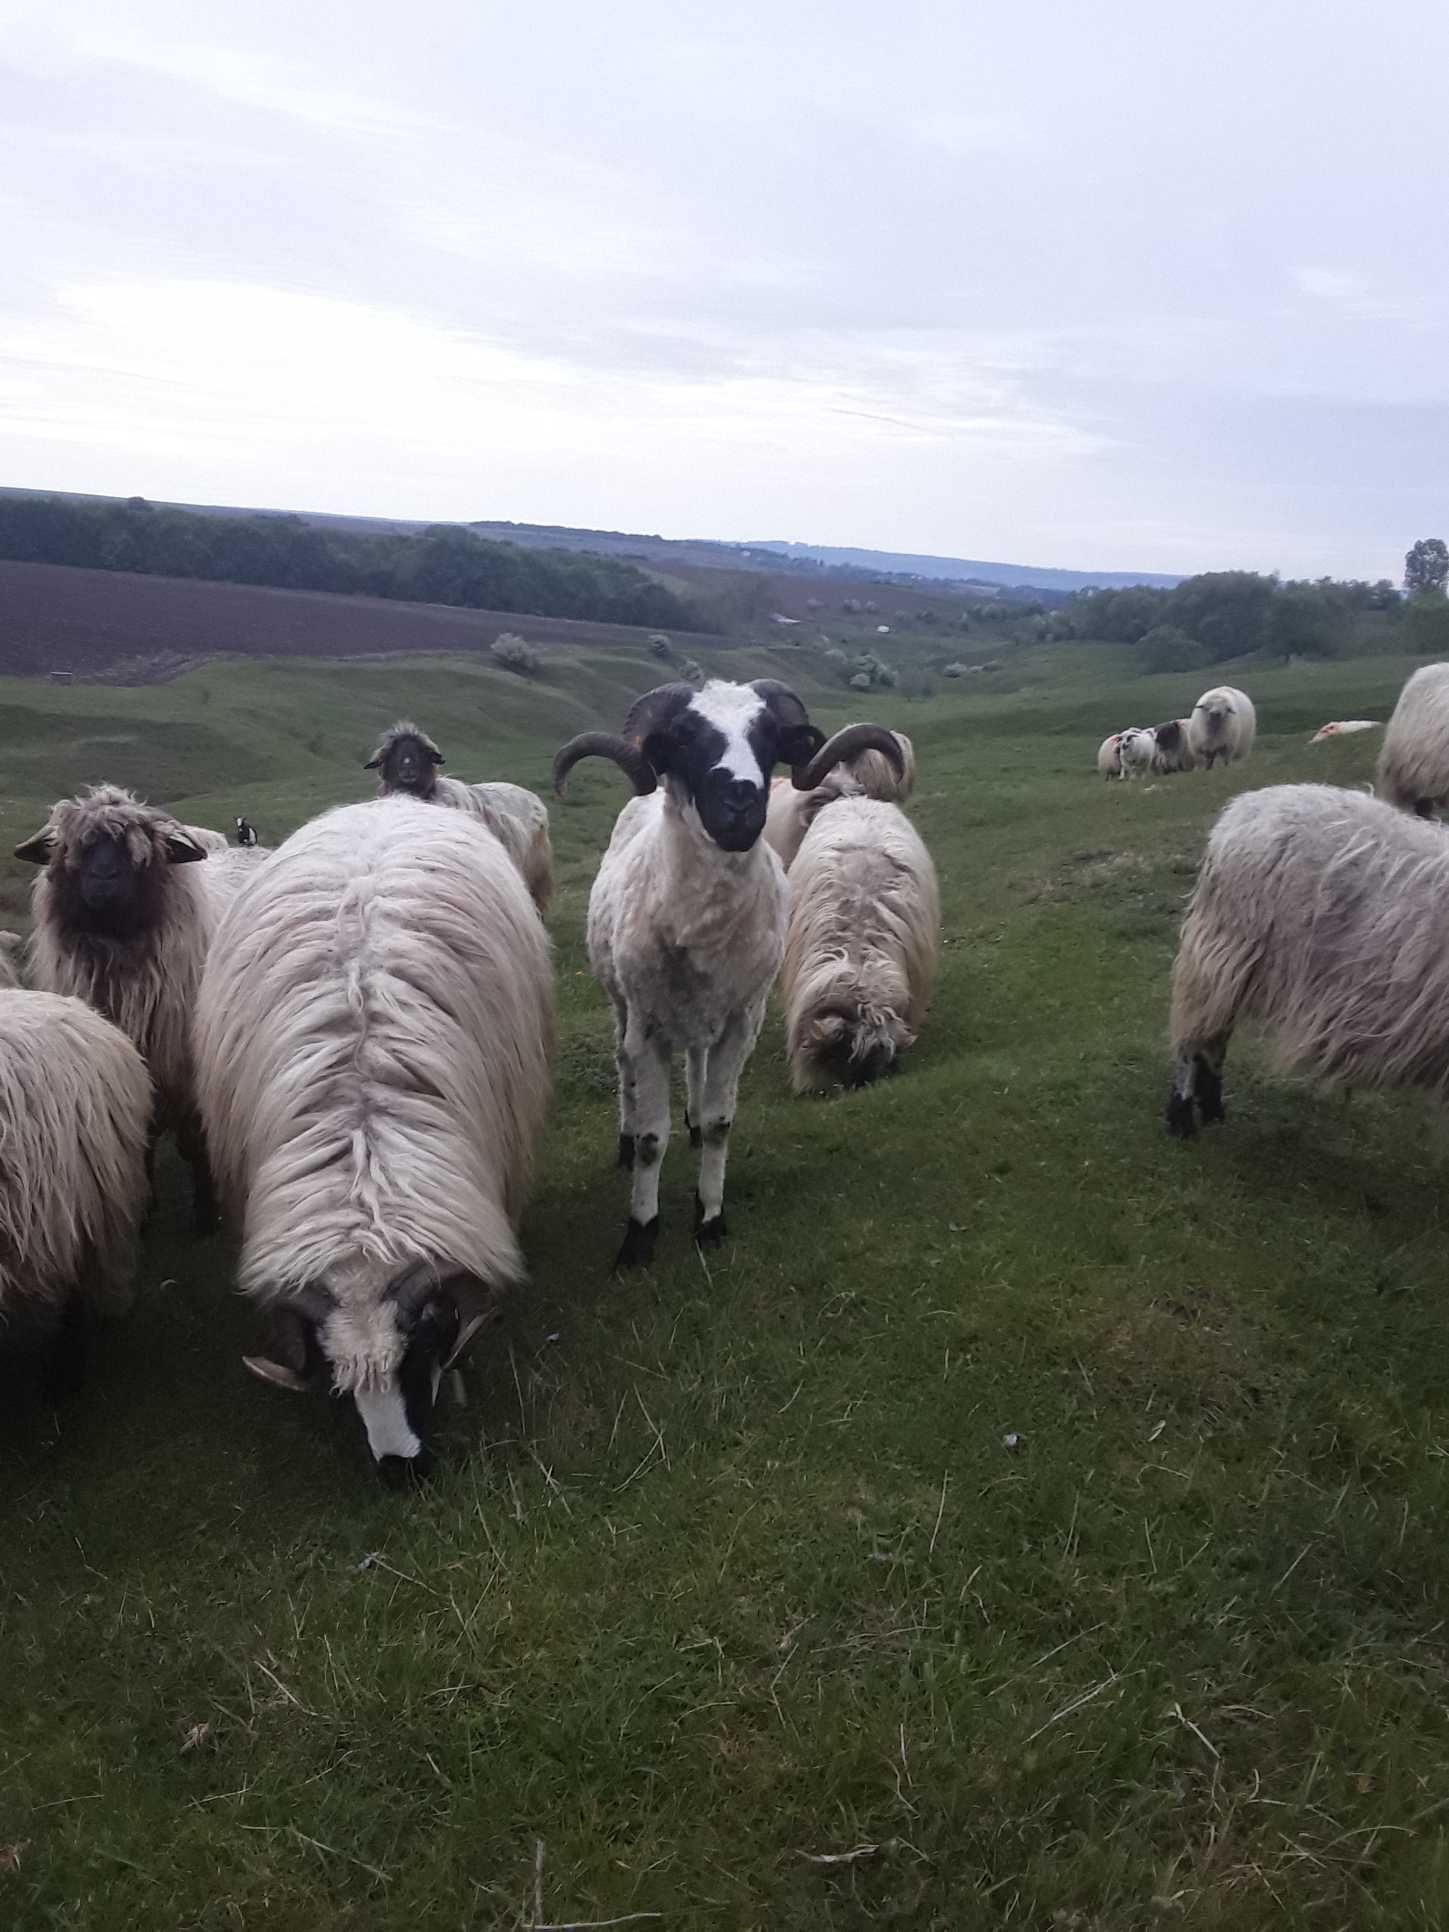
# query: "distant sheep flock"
350, 1035
352, 1032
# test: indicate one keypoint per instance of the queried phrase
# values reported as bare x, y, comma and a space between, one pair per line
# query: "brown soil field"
112, 624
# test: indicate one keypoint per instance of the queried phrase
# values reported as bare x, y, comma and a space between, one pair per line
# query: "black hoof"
638, 1248
626, 1150
1181, 1120
1210, 1104
696, 1138
711, 1233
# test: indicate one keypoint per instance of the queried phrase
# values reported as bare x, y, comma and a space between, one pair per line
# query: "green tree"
1426, 568
1227, 611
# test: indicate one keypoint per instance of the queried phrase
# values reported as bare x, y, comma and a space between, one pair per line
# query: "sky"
1127, 286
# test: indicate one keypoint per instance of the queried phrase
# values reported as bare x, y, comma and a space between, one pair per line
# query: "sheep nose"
741, 794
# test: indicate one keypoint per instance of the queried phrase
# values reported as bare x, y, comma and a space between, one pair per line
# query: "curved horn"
847, 743
604, 744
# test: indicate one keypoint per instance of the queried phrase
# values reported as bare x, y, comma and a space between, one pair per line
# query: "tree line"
1222, 614
444, 564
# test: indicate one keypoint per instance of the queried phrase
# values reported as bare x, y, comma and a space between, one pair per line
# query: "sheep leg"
69, 1351
1197, 1087
628, 1094
696, 1061
649, 1061
191, 1141
723, 1068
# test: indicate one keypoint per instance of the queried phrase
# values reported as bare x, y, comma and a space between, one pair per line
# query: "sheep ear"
275, 1372
181, 849
372, 764
36, 850
437, 758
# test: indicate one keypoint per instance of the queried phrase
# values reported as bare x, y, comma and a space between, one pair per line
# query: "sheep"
246, 833
75, 1111
1174, 753
790, 813
1223, 725
1343, 728
1109, 756
12, 960
121, 924
862, 944
1413, 767
373, 1033
408, 760
1137, 748
1324, 915
686, 924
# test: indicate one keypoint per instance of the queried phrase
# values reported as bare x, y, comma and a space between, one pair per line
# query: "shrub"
691, 672
1166, 647
509, 650
661, 646
860, 682
954, 671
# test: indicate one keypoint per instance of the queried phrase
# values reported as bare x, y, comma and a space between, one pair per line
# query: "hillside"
666, 553
1022, 1521
55, 618
964, 569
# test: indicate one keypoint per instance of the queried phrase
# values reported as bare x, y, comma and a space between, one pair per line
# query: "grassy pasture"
729, 1567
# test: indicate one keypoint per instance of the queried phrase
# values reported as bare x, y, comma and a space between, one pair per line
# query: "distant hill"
897, 563
710, 553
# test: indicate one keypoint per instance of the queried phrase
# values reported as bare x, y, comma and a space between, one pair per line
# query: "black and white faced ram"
687, 914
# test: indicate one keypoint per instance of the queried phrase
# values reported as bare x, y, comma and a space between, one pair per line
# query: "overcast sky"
1125, 285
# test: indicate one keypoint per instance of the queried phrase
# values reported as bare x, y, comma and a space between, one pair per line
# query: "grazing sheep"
1413, 767
862, 944
1223, 725
75, 1112
1174, 753
1109, 756
373, 1032
123, 923
408, 761
687, 914
1322, 914
12, 960
791, 813
1137, 749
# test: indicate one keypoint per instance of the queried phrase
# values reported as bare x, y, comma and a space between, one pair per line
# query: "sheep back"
1413, 765
1324, 914
75, 1111
862, 945
373, 1036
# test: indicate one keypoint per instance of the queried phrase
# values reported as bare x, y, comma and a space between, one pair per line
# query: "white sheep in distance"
123, 922
1223, 725
1323, 915
1137, 748
1413, 767
75, 1113
373, 1033
862, 944
1109, 756
790, 813
407, 761
1173, 748
687, 914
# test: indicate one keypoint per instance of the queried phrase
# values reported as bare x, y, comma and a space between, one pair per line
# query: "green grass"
730, 1564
